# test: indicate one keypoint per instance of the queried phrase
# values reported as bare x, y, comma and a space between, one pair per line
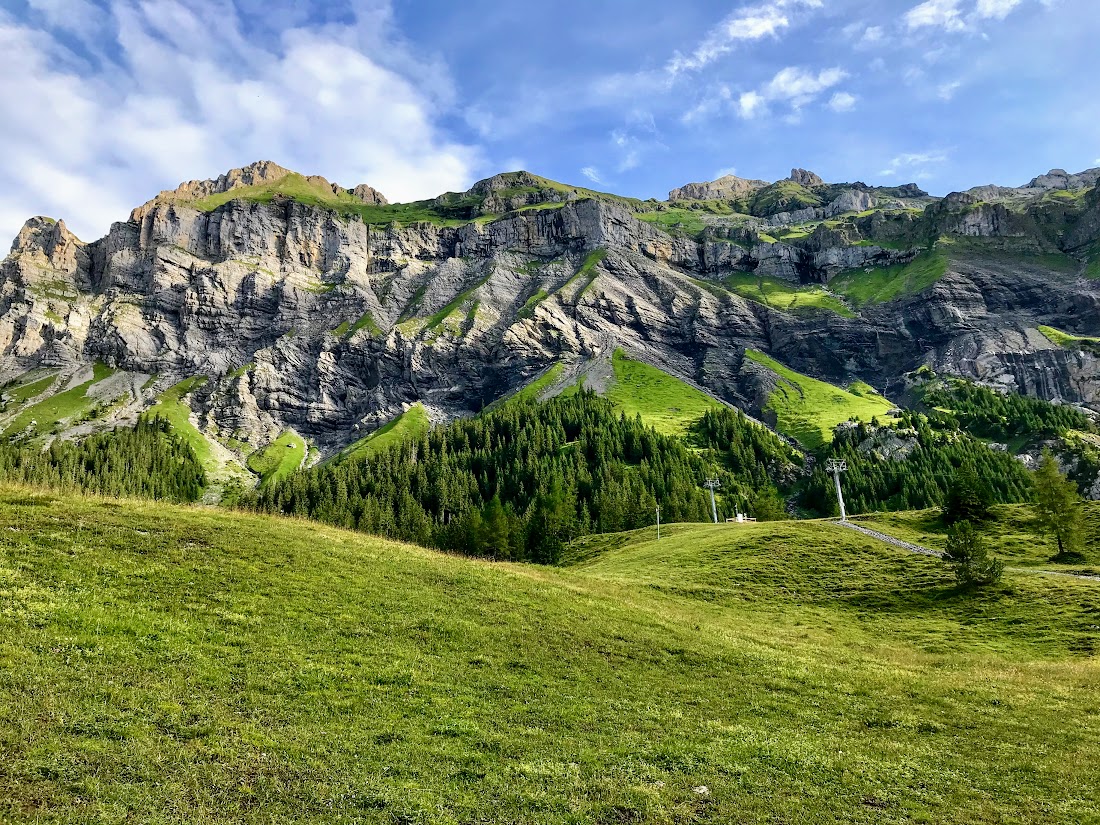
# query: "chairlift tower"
712, 484
836, 466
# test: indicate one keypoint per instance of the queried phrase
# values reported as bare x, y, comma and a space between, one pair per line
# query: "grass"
22, 393
882, 284
808, 409
676, 219
167, 665
785, 296
664, 402
60, 408
1011, 534
278, 459
365, 321
1069, 341
171, 407
455, 303
529, 305
533, 390
586, 272
409, 425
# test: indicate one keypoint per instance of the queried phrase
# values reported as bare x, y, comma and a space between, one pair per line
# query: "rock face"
805, 178
728, 187
309, 318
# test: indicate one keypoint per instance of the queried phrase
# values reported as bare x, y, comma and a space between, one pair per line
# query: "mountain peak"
728, 186
259, 174
805, 178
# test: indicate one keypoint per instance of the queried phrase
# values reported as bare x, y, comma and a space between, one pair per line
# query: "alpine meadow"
466, 496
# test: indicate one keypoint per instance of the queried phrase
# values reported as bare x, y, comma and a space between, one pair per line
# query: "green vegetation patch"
664, 402
63, 407
1070, 341
808, 409
1011, 534
587, 271
455, 303
278, 459
529, 305
410, 425
883, 284
205, 665
22, 393
365, 321
171, 407
785, 296
533, 390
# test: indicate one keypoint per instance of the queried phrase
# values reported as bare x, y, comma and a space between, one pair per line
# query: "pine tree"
1058, 507
968, 498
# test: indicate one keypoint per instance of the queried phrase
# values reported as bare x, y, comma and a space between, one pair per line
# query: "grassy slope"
172, 407
278, 459
1070, 341
64, 406
1012, 535
887, 283
785, 296
411, 424
22, 393
168, 664
808, 409
665, 403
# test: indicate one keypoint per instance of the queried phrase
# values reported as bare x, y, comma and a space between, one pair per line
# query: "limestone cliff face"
307, 317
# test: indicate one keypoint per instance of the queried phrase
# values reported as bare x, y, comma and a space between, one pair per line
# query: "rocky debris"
805, 178
729, 187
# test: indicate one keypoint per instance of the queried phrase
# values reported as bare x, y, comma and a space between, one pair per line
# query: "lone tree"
967, 555
968, 498
1058, 507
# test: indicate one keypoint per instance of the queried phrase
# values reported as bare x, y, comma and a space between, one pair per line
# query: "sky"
103, 103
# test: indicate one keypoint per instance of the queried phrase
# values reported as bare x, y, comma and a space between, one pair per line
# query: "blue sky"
106, 102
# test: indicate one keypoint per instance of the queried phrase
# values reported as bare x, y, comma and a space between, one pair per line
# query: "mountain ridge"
327, 315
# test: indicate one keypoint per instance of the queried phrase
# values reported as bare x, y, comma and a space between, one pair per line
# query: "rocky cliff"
324, 310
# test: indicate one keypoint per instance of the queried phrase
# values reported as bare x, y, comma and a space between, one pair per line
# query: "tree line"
146, 461
520, 481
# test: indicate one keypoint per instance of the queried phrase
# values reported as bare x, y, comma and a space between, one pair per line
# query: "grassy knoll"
278, 459
411, 424
1070, 341
665, 403
172, 407
785, 296
1011, 534
883, 284
532, 391
165, 665
808, 409
62, 407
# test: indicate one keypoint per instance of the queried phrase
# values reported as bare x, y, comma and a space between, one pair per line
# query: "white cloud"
744, 25
873, 34
751, 104
188, 96
950, 16
946, 91
936, 13
997, 9
730, 171
793, 86
914, 164
592, 173
842, 102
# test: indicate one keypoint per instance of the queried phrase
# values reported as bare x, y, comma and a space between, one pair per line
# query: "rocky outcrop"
729, 187
805, 178
1061, 179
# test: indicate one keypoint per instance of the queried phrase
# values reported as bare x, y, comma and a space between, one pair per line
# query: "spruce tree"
968, 498
968, 557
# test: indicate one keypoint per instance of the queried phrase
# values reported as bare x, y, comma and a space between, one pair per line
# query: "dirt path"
927, 551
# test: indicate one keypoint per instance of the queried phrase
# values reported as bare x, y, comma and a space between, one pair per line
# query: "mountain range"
267, 305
